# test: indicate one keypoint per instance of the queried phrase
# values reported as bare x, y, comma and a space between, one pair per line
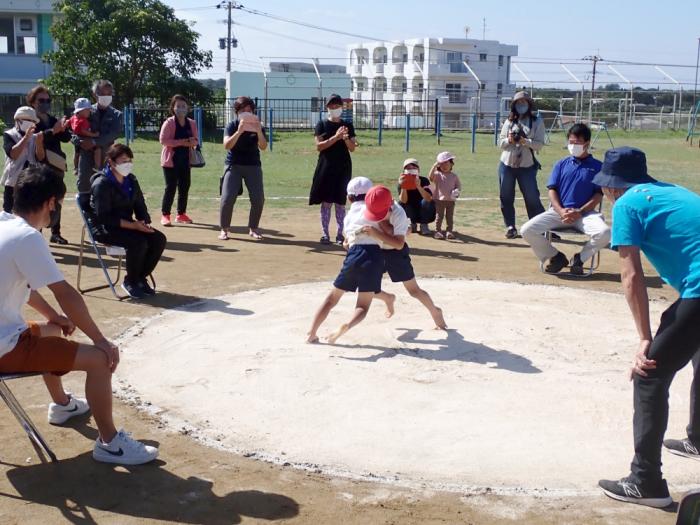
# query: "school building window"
482, 57
18, 35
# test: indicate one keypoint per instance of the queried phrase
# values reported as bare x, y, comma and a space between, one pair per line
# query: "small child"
447, 190
80, 124
364, 265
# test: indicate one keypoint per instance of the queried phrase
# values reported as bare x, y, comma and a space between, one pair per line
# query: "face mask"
412, 171
24, 125
335, 113
124, 168
104, 100
245, 114
576, 149
181, 112
521, 109
44, 107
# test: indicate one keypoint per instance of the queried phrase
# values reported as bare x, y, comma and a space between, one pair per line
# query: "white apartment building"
409, 76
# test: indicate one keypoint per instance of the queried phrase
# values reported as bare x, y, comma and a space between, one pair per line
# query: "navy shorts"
362, 269
397, 263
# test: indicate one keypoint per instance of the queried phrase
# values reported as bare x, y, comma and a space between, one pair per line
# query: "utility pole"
230, 42
595, 59
697, 66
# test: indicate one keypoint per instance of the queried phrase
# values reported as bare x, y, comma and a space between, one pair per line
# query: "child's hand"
369, 230
387, 227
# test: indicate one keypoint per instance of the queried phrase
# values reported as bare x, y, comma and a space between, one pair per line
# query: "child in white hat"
447, 190
80, 125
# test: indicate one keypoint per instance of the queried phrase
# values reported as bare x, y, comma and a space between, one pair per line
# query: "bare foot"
340, 331
439, 319
390, 305
312, 339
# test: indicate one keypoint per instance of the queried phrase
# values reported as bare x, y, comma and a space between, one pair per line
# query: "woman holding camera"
522, 135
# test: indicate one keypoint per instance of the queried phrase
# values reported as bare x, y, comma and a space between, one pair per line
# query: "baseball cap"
81, 104
334, 98
26, 113
378, 201
445, 156
359, 186
410, 161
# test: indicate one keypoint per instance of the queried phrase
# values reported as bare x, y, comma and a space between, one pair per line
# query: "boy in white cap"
447, 190
23, 148
80, 124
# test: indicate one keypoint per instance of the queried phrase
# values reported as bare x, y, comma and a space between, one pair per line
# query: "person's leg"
693, 428
506, 190
593, 224
155, 244
412, 212
527, 182
184, 181
53, 382
322, 313
325, 218
364, 300
229, 194
533, 232
86, 165
254, 182
421, 295
440, 212
339, 219
389, 300
136, 248
170, 177
450, 214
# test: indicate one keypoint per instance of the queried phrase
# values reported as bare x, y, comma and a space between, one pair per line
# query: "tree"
140, 45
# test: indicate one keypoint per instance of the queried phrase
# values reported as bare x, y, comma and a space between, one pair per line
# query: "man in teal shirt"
662, 221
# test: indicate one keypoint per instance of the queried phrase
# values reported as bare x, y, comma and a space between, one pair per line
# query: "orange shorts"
34, 353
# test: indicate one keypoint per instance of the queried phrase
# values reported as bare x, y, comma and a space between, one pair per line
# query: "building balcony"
357, 68
398, 68
397, 96
379, 68
418, 67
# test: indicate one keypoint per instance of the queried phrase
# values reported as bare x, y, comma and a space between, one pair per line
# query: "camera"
518, 132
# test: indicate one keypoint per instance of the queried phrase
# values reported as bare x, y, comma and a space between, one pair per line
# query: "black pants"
177, 177
423, 213
143, 250
8, 200
676, 343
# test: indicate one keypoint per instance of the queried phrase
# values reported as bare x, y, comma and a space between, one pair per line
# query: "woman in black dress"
335, 140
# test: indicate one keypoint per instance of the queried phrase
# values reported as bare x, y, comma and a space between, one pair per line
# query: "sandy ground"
195, 483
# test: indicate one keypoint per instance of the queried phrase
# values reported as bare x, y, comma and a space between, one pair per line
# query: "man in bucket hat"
663, 221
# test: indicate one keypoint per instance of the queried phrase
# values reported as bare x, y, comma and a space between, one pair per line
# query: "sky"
662, 33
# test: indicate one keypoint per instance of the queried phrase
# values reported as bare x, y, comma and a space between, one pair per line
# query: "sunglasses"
43, 100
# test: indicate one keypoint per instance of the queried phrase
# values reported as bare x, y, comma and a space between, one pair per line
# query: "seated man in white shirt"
27, 266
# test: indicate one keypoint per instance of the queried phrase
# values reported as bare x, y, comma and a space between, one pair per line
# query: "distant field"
288, 169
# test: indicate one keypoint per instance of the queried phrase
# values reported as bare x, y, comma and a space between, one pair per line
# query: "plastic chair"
11, 401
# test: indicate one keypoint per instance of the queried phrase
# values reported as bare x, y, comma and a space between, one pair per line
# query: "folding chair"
593, 263
14, 406
83, 201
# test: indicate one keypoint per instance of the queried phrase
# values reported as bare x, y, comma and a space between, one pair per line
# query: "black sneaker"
146, 287
414, 227
556, 263
511, 232
325, 240
339, 239
132, 290
424, 229
57, 239
631, 492
682, 447
576, 265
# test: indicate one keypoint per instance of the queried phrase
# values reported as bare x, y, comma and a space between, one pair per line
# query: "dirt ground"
192, 483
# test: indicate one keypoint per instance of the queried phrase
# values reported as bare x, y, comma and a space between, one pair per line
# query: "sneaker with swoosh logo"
123, 450
630, 491
59, 414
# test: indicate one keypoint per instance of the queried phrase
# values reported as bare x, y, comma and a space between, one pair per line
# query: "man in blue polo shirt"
575, 199
663, 221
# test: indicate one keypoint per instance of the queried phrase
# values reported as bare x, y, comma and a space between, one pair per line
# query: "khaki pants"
446, 210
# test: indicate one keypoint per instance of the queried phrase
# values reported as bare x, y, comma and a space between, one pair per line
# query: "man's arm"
635, 289
39, 304
111, 134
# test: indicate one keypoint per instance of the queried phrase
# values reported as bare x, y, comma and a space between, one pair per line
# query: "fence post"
497, 128
126, 124
439, 126
132, 122
380, 126
270, 135
437, 117
474, 116
408, 131
198, 121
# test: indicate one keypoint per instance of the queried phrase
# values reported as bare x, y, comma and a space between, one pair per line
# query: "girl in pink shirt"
447, 190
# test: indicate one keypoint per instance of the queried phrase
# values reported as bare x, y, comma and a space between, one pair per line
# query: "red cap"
378, 201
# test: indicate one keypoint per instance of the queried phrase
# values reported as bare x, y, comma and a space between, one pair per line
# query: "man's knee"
603, 236
530, 229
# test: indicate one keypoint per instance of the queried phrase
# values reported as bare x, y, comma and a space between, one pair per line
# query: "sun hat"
410, 161
334, 98
26, 113
522, 94
378, 201
359, 186
623, 168
444, 156
81, 104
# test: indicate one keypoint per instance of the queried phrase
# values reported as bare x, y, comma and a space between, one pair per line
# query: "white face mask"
411, 171
245, 114
104, 100
335, 113
24, 125
124, 168
577, 149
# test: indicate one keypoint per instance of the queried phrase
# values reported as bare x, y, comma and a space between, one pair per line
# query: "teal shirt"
663, 220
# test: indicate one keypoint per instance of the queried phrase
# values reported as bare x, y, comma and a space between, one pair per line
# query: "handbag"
197, 158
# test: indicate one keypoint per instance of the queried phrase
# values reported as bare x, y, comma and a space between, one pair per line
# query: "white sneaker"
59, 414
124, 450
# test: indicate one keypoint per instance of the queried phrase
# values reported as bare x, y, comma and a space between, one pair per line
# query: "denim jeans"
527, 181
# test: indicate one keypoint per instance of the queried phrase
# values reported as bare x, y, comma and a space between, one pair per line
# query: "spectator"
575, 200
178, 135
447, 189
661, 220
42, 347
243, 139
55, 132
120, 218
80, 125
23, 147
106, 121
521, 136
416, 197
335, 140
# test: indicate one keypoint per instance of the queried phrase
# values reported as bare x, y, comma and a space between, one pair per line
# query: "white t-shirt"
355, 219
25, 264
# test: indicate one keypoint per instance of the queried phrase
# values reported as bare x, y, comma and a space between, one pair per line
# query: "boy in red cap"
363, 266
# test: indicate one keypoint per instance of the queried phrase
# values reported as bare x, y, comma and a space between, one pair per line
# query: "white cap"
81, 104
444, 156
26, 113
410, 161
359, 186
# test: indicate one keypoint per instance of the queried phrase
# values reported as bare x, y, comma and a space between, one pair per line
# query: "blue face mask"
522, 108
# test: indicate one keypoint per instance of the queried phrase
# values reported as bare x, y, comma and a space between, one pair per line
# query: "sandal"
255, 235
223, 236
